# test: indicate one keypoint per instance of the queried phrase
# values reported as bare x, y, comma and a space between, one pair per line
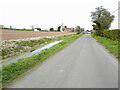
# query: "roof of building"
68, 29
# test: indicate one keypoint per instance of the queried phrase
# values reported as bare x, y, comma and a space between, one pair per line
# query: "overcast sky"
51, 13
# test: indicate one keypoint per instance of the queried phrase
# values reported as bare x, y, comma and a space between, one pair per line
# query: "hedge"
111, 34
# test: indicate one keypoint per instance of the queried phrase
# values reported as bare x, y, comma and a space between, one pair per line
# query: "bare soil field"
14, 35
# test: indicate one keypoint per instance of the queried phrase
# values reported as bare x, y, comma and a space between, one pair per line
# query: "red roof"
68, 29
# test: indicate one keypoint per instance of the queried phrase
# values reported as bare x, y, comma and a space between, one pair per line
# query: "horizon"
51, 13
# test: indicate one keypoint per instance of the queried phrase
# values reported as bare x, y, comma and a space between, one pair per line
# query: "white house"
36, 29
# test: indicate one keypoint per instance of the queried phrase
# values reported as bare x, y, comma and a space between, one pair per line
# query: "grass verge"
111, 45
13, 71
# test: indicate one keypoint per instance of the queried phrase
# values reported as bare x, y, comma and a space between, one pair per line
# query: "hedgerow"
111, 34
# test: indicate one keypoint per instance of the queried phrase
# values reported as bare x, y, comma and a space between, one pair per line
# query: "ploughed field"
14, 35
17, 42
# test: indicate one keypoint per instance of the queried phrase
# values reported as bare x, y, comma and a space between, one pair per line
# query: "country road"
83, 64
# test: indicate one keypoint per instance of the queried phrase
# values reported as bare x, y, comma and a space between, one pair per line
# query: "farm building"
69, 30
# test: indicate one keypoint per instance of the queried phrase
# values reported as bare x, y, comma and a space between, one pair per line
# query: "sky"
52, 13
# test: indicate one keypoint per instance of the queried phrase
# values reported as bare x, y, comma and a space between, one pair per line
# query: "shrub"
51, 29
111, 34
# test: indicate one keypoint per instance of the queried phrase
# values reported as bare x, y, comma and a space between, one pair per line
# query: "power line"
116, 10
116, 16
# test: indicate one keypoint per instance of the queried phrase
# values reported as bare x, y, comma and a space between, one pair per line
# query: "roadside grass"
13, 71
111, 45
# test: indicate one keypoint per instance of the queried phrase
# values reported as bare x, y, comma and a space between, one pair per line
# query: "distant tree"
77, 29
82, 29
51, 29
102, 18
65, 26
10, 27
39, 29
46, 30
32, 27
59, 28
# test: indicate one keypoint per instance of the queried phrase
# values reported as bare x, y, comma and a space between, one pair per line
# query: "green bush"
111, 34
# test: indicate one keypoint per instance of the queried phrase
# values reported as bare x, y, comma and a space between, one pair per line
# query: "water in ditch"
28, 54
